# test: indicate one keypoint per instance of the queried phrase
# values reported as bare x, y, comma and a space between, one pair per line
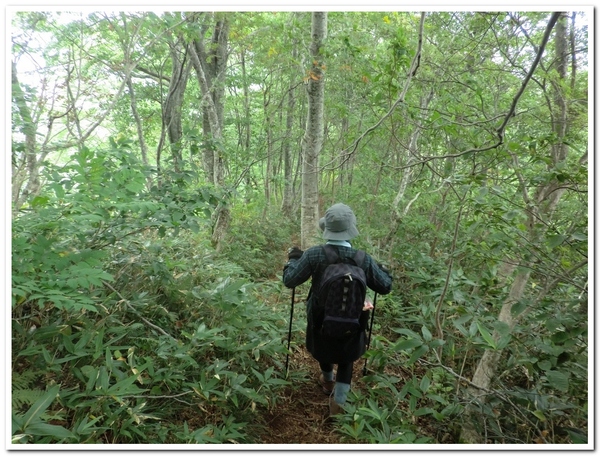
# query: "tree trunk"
488, 364
174, 101
138, 121
288, 162
31, 172
268, 174
210, 71
313, 136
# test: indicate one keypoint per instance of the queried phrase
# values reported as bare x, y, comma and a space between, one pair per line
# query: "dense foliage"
132, 322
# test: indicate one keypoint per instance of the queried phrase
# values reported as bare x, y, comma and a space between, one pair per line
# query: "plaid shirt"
313, 262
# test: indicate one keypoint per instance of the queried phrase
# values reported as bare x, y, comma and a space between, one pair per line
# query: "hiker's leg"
344, 373
327, 370
342, 384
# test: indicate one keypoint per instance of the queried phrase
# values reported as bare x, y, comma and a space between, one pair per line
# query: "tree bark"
31, 172
288, 161
210, 71
313, 136
138, 121
173, 103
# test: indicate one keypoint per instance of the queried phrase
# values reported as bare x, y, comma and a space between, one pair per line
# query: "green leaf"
407, 344
85, 426
555, 240
424, 411
558, 380
437, 398
503, 342
40, 406
426, 334
126, 386
518, 308
577, 436
545, 365
40, 201
49, 429
418, 353
406, 332
502, 328
486, 335
92, 374
425, 383
134, 186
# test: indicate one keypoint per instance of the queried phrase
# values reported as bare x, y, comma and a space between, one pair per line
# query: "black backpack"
341, 294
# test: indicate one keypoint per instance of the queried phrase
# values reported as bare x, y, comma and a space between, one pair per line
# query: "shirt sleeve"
298, 271
377, 279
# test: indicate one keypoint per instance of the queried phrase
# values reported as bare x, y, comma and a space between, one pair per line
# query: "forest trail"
301, 416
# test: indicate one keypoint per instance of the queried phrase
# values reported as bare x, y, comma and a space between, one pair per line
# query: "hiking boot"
334, 407
326, 386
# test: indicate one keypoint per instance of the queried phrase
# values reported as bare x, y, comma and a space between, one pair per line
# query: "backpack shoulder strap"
359, 258
331, 254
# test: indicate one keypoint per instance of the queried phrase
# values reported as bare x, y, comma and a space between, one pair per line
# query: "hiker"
339, 227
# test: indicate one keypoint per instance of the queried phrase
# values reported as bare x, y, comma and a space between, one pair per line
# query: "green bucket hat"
339, 223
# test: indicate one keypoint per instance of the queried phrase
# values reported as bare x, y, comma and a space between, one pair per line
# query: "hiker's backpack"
341, 294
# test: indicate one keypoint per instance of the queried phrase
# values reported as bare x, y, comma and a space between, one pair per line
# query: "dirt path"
301, 416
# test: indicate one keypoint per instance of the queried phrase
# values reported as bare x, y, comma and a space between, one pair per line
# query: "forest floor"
302, 415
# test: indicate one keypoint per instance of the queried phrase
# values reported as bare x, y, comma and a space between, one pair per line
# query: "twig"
152, 325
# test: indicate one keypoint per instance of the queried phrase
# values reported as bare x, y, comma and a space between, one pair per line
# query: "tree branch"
538, 57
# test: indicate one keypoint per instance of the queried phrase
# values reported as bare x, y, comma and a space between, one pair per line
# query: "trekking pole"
370, 331
287, 358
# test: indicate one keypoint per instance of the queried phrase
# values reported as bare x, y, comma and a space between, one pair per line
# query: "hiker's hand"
294, 253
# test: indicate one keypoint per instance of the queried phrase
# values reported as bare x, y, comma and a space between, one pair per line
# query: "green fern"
24, 394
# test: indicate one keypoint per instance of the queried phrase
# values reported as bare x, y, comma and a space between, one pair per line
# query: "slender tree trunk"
313, 137
288, 162
288, 188
210, 71
245, 131
31, 174
269, 134
210, 68
138, 122
174, 101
